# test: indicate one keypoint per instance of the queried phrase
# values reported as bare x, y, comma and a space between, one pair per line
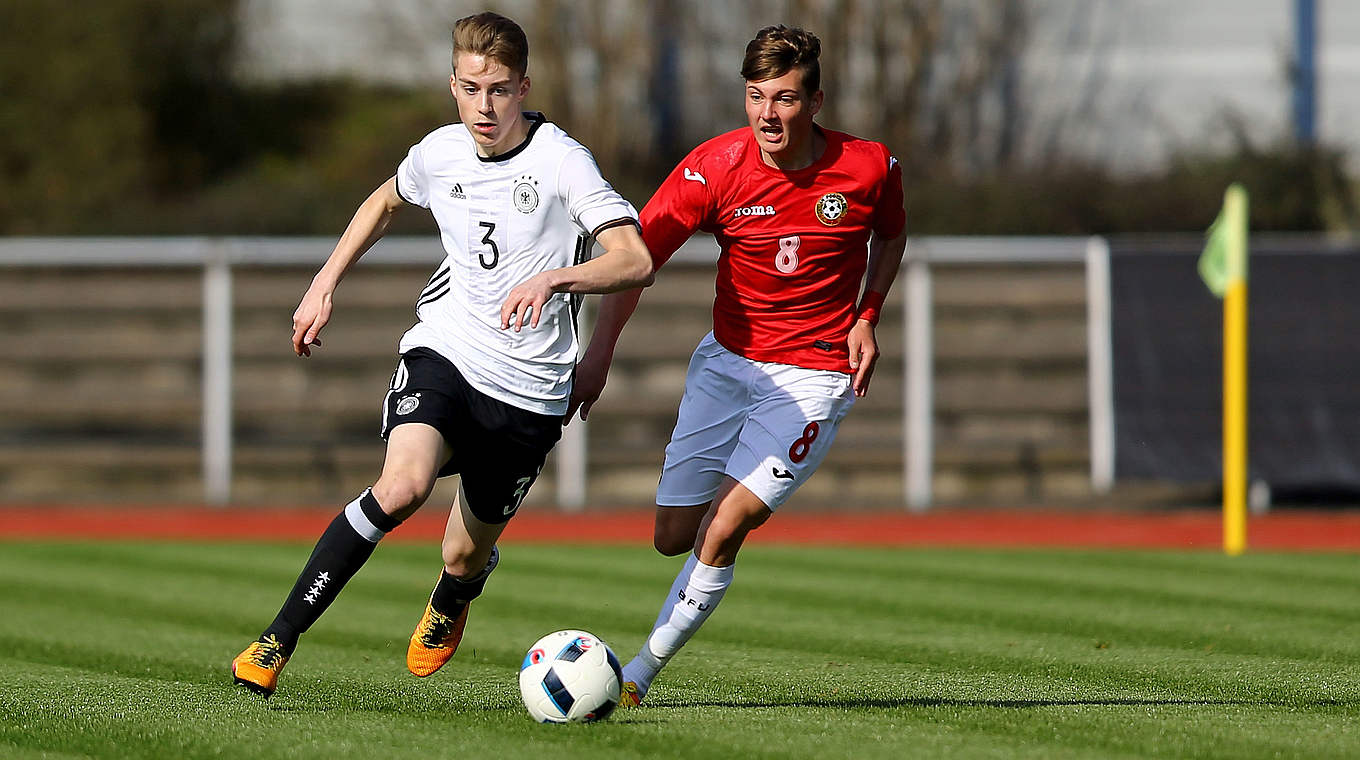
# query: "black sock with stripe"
452, 594
344, 547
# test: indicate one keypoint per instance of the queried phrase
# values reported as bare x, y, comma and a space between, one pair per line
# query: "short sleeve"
591, 201
890, 217
412, 185
677, 209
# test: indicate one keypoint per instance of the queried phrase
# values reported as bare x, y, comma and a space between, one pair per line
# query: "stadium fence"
218, 256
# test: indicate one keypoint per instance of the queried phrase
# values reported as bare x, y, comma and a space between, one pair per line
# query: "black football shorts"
498, 448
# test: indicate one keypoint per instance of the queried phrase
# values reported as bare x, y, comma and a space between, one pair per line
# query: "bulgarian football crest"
831, 209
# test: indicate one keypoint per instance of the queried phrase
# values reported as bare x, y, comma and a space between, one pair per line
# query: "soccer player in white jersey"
803, 215
485, 374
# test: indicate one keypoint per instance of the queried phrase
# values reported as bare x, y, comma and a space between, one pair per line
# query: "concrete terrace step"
1049, 288
101, 361
159, 472
171, 396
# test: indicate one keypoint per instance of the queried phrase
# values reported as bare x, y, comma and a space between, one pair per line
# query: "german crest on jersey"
831, 209
525, 195
408, 404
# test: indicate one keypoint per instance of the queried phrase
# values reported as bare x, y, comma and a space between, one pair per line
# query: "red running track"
1335, 530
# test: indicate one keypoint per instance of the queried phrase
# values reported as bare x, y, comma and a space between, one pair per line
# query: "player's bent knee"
460, 567
674, 537
677, 527
462, 560
400, 496
724, 532
672, 544
731, 528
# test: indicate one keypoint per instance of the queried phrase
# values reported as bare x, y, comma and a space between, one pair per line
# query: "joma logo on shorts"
754, 211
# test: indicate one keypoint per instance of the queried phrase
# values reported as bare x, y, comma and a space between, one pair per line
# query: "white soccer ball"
568, 677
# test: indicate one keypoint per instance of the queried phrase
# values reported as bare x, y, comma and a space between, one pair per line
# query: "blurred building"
1124, 82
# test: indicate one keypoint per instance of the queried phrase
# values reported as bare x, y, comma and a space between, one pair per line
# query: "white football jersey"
503, 220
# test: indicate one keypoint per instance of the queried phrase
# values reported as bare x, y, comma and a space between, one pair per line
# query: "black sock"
452, 594
343, 548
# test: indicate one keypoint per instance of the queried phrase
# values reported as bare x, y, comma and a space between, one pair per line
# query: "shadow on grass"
850, 703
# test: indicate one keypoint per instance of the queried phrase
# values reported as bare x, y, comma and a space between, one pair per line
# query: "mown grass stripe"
120, 650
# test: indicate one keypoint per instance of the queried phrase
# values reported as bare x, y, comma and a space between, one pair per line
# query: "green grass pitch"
120, 650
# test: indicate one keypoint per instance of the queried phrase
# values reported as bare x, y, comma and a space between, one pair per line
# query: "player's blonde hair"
492, 36
777, 50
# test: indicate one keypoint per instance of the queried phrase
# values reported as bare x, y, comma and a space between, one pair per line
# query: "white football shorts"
766, 425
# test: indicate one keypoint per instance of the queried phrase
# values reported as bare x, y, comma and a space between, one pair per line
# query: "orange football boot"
259, 666
628, 695
434, 641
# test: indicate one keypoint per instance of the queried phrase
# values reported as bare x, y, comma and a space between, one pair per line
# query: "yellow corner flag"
1223, 266
1224, 261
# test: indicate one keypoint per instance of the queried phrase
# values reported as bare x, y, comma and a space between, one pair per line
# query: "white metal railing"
1100, 363
218, 256
918, 390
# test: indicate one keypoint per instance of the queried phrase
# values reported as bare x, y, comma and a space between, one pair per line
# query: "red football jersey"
793, 244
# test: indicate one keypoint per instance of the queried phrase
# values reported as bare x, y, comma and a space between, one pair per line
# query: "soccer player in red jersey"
801, 214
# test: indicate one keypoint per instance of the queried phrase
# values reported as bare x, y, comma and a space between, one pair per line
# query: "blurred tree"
122, 109
76, 135
202, 122
128, 117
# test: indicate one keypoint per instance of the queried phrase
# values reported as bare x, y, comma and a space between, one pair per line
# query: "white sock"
643, 668
694, 595
678, 585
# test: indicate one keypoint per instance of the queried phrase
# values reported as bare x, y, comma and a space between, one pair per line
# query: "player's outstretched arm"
672, 215
624, 264
593, 369
885, 258
365, 229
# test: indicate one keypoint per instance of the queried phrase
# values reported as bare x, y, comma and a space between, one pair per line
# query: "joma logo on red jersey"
754, 211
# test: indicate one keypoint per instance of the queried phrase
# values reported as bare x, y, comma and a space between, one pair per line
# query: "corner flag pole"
1223, 266
1235, 418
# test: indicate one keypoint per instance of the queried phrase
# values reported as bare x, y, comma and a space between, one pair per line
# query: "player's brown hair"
776, 50
493, 36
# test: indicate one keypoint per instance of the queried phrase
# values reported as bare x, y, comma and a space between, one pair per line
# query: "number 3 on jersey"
490, 243
787, 259
521, 489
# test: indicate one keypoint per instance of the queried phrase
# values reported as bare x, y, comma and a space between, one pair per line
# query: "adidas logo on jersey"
457, 192
754, 211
